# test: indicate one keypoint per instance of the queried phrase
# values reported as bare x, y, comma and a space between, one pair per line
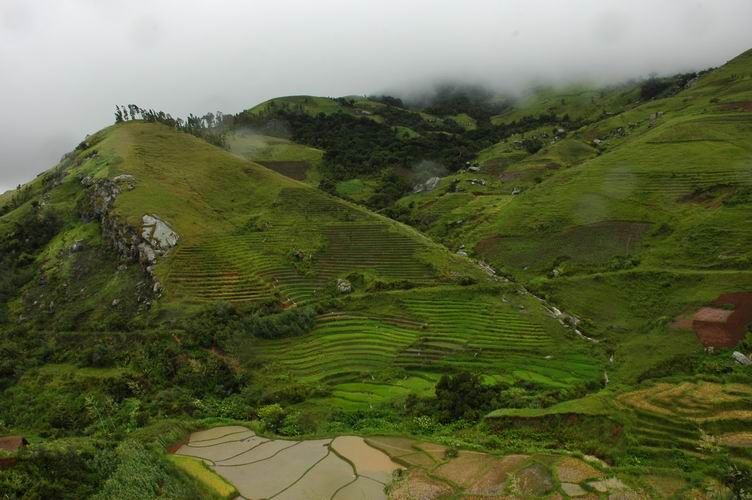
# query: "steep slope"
656, 195
246, 233
581, 101
159, 228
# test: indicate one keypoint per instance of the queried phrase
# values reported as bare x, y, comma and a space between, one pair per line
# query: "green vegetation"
198, 470
501, 275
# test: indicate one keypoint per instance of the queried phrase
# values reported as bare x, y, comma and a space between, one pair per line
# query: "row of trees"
210, 126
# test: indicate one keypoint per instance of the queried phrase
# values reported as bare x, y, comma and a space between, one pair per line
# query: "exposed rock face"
344, 286
77, 246
158, 234
741, 358
429, 185
154, 238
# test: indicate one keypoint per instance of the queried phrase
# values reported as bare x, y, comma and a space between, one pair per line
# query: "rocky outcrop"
428, 185
143, 244
741, 358
344, 286
158, 233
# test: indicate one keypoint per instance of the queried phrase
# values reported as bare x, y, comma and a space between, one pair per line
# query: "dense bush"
463, 396
532, 146
57, 472
31, 232
217, 323
142, 474
290, 323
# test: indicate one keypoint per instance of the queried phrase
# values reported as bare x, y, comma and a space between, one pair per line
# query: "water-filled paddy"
351, 467
341, 468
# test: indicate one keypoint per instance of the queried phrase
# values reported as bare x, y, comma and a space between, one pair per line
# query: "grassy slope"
382, 347
637, 198
665, 193
263, 148
578, 101
240, 222
311, 104
77, 287
697, 242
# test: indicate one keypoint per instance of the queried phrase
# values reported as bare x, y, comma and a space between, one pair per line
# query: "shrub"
142, 474
532, 146
463, 396
291, 323
653, 87
272, 416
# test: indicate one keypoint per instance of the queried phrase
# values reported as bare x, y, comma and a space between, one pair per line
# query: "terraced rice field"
243, 268
674, 184
349, 467
432, 473
679, 158
431, 332
691, 418
342, 468
258, 263
585, 245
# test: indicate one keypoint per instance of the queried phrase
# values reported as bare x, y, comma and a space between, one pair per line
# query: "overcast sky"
64, 64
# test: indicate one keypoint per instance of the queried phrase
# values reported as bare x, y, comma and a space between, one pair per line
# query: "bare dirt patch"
574, 470
466, 468
666, 486
573, 490
297, 170
418, 486
437, 451
493, 481
710, 196
737, 106
394, 446
535, 480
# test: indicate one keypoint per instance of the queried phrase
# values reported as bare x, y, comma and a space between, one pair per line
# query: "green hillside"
246, 233
661, 187
578, 101
484, 274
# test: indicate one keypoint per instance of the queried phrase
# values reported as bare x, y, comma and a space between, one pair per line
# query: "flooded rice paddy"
342, 468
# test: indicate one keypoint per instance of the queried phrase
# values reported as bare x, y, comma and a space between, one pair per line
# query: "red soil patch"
171, 449
737, 106
724, 324
418, 485
294, 169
